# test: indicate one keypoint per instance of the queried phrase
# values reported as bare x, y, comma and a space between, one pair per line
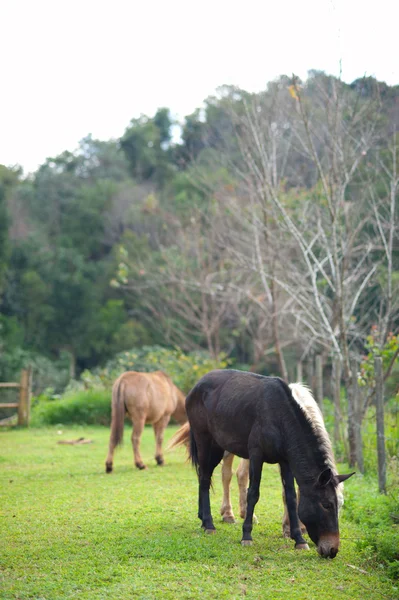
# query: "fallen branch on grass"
74, 442
357, 569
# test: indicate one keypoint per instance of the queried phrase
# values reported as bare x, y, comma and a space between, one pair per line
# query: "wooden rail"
25, 392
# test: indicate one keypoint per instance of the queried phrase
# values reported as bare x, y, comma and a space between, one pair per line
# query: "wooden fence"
25, 392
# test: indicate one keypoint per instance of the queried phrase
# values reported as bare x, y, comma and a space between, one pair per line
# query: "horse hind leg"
209, 456
242, 480
286, 521
159, 430
138, 427
255, 476
110, 456
226, 509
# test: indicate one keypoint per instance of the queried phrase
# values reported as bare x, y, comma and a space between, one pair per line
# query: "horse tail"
180, 438
194, 452
118, 414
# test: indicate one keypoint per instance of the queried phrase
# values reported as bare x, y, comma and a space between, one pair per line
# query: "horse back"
240, 411
147, 395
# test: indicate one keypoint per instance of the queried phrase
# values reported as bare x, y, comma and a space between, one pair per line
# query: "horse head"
180, 414
318, 511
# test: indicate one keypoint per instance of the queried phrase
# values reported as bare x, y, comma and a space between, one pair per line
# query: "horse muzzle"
328, 546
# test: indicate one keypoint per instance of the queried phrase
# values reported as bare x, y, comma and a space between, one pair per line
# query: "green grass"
68, 530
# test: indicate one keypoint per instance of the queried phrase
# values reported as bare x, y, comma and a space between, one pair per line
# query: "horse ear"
341, 478
325, 477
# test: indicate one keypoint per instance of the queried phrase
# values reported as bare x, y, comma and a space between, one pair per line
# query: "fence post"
337, 397
379, 400
24, 397
357, 417
319, 381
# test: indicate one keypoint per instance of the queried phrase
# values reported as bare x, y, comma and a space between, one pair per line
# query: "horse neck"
303, 396
304, 451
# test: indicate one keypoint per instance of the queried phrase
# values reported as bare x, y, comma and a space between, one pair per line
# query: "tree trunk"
351, 419
379, 395
337, 398
319, 381
310, 372
299, 371
276, 335
72, 365
357, 418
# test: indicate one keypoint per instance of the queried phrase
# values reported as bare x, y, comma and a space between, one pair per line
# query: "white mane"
303, 395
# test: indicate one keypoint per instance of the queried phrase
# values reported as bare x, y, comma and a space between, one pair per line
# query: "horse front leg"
138, 426
242, 480
255, 476
291, 506
159, 430
226, 509
286, 520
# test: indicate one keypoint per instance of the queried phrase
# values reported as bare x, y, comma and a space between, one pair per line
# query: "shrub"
91, 407
378, 516
89, 400
184, 369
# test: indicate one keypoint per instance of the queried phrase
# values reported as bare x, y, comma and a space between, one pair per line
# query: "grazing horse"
305, 399
257, 418
146, 398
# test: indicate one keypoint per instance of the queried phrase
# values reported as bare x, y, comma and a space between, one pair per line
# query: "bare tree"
182, 289
320, 250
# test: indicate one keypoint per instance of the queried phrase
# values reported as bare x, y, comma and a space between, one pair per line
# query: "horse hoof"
210, 531
246, 542
301, 547
229, 519
160, 461
141, 466
108, 468
286, 533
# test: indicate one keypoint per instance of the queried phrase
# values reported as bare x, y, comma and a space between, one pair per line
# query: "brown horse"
146, 398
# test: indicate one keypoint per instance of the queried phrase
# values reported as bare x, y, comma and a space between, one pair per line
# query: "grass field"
68, 530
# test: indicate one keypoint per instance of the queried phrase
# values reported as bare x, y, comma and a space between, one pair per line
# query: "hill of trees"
268, 231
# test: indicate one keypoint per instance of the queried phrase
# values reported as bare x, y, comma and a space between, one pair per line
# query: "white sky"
69, 68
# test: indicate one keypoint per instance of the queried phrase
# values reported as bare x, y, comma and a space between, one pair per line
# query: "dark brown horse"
145, 398
303, 395
257, 418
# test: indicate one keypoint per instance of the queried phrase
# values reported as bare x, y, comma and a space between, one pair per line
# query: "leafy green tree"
146, 147
101, 160
3, 233
8, 179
